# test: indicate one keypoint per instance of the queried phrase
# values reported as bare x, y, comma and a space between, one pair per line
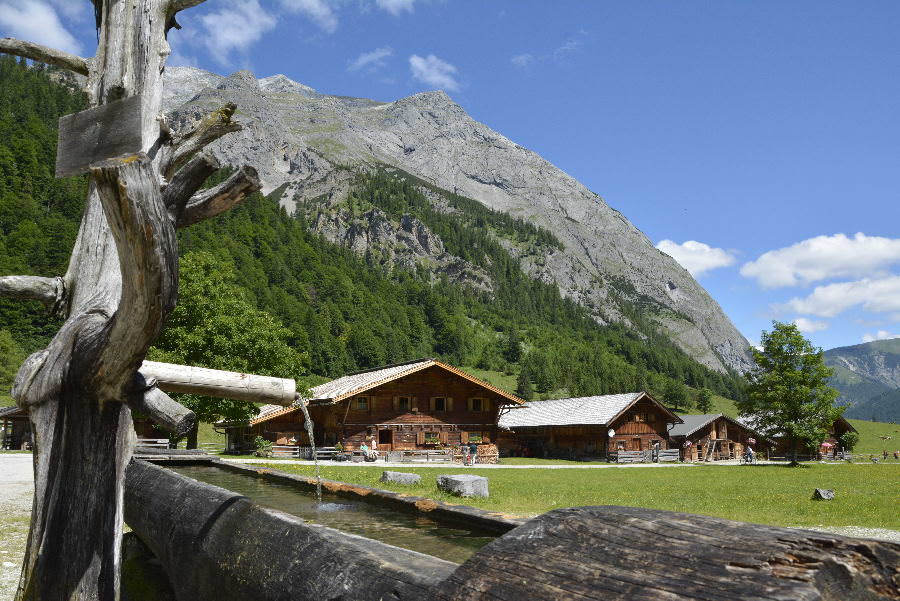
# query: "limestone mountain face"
297, 138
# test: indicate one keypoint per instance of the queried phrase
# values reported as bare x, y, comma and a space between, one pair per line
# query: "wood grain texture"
221, 384
627, 553
42, 54
184, 147
163, 410
218, 199
50, 291
97, 134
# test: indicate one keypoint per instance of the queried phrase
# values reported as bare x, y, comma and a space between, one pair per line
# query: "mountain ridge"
868, 377
296, 136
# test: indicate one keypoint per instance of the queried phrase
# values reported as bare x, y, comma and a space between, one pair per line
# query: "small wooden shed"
15, 429
594, 426
715, 437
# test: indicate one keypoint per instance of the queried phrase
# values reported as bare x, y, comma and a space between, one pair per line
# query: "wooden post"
120, 286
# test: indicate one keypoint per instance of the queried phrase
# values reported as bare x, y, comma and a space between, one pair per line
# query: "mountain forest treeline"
341, 312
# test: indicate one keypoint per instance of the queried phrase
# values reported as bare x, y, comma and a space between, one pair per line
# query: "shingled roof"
692, 423
13, 411
580, 411
359, 382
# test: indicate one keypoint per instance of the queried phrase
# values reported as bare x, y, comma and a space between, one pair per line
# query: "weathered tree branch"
50, 291
42, 54
161, 408
222, 384
218, 199
179, 5
187, 181
184, 147
146, 246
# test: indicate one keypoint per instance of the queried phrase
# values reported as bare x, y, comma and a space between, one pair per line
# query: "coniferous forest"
340, 311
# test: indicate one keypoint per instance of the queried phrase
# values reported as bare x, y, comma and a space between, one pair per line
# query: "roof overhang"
640, 397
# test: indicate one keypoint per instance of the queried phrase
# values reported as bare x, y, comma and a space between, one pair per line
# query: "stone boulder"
823, 494
463, 485
401, 478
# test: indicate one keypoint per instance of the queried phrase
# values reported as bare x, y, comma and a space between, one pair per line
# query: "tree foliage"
216, 326
788, 393
704, 400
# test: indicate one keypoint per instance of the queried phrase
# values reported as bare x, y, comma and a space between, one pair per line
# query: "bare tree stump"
633, 554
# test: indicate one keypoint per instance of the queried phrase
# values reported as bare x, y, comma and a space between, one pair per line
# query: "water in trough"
402, 529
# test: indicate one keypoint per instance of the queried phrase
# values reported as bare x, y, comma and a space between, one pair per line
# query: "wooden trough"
216, 544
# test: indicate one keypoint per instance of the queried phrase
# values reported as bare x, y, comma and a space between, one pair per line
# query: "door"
385, 440
636, 444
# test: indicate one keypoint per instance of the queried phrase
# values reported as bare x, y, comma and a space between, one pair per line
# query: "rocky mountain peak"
282, 83
607, 264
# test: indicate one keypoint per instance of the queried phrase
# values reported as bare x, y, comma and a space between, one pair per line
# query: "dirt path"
16, 490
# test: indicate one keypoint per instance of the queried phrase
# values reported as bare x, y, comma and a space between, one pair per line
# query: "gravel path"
16, 491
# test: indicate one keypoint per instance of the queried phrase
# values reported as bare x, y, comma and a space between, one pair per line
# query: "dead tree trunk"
120, 286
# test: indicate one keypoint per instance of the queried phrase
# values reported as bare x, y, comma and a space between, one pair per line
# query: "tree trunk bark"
192, 437
120, 287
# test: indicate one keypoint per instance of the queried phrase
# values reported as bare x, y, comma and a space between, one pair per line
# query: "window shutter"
449, 402
442, 436
420, 438
413, 403
396, 403
470, 403
431, 404
463, 437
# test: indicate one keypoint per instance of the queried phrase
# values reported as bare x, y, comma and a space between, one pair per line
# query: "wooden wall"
353, 426
732, 441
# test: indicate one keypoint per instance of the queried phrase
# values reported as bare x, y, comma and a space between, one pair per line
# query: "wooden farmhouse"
421, 404
715, 437
594, 426
15, 428
830, 446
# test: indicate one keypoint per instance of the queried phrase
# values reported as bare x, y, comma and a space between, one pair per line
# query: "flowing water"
399, 528
312, 445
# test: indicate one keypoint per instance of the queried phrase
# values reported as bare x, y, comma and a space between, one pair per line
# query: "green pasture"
865, 495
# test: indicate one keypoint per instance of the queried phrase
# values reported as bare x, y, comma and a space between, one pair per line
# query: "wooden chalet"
837, 429
15, 428
594, 426
419, 404
715, 437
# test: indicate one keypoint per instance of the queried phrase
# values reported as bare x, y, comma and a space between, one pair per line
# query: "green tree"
848, 440
215, 326
675, 394
524, 388
512, 349
704, 400
11, 357
788, 392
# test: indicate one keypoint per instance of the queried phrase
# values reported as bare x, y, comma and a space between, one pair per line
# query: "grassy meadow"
865, 495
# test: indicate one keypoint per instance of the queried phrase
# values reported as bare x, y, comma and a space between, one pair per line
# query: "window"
439, 403
432, 438
476, 437
476, 404
651, 417
404, 403
361, 403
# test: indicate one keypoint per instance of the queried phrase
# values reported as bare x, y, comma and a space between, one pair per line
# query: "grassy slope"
777, 495
869, 433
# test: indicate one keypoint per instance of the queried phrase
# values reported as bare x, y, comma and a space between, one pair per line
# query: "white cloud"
808, 325
823, 258
879, 335
372, 61
77, 11
874, 295
396, 7
319, 11
36, 21
522, 60
696, 257
434, 72
234, 27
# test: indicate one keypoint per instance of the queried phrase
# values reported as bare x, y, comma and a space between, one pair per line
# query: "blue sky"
755, 141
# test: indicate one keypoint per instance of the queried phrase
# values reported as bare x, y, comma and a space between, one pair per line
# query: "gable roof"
359, 382
579, 411
13, 411
692, 423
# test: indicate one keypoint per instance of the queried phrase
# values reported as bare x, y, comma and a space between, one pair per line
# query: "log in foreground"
619, 553
216, 544
222, 384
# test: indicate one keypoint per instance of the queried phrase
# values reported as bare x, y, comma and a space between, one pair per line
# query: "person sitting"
748, 455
